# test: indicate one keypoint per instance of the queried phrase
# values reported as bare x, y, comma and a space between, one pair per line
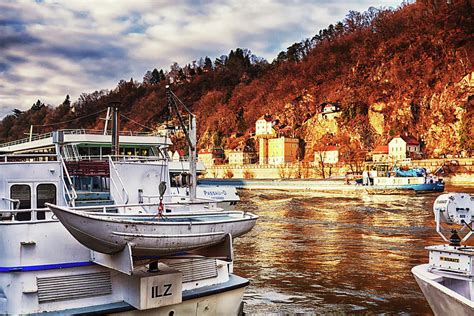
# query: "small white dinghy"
152, 234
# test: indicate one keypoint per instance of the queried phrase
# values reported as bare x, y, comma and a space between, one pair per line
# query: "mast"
191, 138
115, 130
192, 156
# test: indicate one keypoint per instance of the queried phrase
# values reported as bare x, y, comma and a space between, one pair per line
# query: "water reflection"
323, 253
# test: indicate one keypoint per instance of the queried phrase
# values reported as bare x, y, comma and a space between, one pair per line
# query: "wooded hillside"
392, 71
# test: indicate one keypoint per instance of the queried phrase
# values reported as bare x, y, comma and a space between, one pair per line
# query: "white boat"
90, 166
152, 234
44, 269
385, 180
447, 281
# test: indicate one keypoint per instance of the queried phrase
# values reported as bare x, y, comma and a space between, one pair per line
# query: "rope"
126, 117
77, 118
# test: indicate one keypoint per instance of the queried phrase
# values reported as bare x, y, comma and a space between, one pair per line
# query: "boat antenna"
190, 134
115, 130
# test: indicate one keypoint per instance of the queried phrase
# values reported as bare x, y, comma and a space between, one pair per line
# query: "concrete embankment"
320, 185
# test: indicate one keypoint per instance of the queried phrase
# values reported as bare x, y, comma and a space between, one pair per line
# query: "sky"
51, 48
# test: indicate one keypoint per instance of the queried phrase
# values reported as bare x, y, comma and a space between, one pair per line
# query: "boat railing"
149, 208
124, 194
26, 215
69, 132
12, 203
27, 157
70, 191
125, 158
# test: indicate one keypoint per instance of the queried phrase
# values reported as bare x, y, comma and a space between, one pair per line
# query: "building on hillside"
328, 155
264, 126
206, 158
277, 151
327, 113
402, 147
241, 157
330, 107
263, 151
211, 157
380, 153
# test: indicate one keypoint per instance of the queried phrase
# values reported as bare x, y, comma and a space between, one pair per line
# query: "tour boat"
447, 281
44, 269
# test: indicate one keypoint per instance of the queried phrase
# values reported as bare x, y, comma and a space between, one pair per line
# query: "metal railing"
132, 158
12, 201
71, 194
11, 216
69, 132
124, 197
26, 157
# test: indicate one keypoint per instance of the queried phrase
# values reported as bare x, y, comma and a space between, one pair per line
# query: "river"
324, 253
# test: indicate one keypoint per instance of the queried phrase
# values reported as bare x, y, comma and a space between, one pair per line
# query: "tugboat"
447, 281
44, 269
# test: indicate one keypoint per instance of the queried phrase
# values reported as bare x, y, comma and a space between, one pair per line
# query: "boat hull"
169, 235
409, 188
442, 300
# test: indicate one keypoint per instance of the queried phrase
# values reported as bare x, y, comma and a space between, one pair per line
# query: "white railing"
124, 195
70, 132
12, 201
26, 157
72, 194
11, 216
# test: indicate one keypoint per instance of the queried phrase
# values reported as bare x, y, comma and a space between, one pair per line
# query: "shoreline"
319, 185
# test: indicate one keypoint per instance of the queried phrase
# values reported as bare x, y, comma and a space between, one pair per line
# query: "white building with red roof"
380, 153
264, 126
404, 146
329, 155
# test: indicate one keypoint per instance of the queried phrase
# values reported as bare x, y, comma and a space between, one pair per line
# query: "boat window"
83, 151
45, 193
21, 192
94, 152
106, 151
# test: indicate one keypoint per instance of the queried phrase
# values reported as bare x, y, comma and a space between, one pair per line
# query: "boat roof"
82, 136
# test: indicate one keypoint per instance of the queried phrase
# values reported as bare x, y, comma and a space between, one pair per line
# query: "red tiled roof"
410, 140
330, 148
266, 117
381, 149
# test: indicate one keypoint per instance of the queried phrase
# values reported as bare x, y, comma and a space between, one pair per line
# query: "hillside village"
275, 147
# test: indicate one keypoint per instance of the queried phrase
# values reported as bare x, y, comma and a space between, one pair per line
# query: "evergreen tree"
67, 101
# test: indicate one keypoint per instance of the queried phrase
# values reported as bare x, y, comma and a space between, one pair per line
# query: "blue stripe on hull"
46, 266
428, 187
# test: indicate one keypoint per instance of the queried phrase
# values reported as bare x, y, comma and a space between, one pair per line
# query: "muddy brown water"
327, 253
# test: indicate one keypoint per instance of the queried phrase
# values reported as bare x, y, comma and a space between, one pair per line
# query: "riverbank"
320, 185
455, 172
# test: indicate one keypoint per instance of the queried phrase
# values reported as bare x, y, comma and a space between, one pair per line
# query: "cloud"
49, 49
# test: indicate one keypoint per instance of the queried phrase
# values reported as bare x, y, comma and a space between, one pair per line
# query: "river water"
324, 253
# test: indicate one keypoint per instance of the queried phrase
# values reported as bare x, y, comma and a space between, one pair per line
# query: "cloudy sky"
52, 48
